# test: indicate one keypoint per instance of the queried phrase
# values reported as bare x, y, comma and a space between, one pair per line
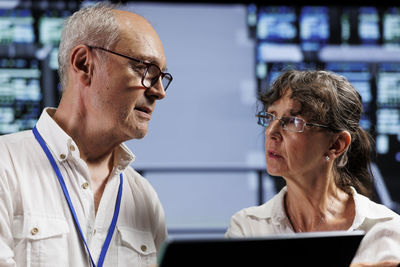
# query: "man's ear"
82, 63
340, 143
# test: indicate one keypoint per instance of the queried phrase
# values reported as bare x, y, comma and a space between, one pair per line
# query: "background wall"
205, 130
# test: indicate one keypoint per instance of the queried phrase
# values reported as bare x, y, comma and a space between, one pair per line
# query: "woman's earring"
327, 158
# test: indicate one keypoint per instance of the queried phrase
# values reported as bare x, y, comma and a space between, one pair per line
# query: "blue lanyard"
71, 206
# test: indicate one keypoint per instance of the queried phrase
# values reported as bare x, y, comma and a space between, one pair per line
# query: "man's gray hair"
92, 25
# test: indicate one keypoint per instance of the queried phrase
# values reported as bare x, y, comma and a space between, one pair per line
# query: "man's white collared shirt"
382, 226
36, 226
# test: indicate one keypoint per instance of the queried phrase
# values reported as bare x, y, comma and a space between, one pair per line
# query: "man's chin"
139, 136
135, 130
139, 133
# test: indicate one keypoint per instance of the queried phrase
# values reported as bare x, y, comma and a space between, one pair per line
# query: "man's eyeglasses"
291, 124
151, 74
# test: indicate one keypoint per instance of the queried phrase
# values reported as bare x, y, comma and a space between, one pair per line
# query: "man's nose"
157, 90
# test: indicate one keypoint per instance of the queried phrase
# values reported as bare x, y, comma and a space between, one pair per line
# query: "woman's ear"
341, 142
82, 64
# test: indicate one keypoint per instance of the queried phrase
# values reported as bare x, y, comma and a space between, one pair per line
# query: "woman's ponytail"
355, 165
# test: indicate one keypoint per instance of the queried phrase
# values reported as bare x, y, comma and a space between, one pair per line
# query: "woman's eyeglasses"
291, 124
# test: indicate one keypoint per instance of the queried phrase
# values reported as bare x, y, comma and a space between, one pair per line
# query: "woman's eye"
287, 120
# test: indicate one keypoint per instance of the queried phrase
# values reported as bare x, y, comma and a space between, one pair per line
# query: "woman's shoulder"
371, 215
371, 209
382, 231
271, 208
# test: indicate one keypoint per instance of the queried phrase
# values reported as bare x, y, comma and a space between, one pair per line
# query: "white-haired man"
68, 196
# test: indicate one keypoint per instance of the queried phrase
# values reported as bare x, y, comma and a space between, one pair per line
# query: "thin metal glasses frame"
264, 115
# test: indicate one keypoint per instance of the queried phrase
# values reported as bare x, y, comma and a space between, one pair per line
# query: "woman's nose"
274, 129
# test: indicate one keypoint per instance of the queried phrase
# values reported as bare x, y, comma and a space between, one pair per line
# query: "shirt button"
94, 231
62, 156
85, 185
34, 231
143, 248
72, 148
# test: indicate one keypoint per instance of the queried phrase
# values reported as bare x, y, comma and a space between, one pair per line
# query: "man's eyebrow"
151, 60
147, 59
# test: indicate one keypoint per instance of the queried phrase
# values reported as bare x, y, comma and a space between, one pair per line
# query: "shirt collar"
273, 210
366, 215
63, 147
123, 157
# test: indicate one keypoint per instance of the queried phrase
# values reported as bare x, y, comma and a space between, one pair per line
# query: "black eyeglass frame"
263, 114
148, 65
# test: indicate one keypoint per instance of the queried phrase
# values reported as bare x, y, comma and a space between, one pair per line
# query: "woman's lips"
274, 155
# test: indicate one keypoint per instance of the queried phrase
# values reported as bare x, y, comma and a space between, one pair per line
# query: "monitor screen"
314, 27
388, 99
368, 25
345, 25
388, 118
277, 24
50, 26
20, 94
16, 26
53, 62
391, 27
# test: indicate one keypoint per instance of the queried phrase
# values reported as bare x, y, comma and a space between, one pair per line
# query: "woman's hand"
378, 264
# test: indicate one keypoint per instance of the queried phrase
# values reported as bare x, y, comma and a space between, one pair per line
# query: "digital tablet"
336, 249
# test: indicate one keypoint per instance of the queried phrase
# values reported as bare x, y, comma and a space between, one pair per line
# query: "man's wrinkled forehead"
129, 17
139, 39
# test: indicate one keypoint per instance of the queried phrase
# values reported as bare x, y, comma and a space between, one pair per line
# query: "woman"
313, 140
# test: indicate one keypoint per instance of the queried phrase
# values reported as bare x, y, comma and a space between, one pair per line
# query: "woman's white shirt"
381, 225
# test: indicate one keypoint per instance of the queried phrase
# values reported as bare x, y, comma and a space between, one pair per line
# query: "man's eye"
141, 66
138, 66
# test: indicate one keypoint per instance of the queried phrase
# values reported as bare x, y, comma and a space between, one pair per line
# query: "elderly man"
68, 196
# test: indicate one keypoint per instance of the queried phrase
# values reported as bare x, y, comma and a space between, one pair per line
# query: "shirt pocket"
136, 248
40, 241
